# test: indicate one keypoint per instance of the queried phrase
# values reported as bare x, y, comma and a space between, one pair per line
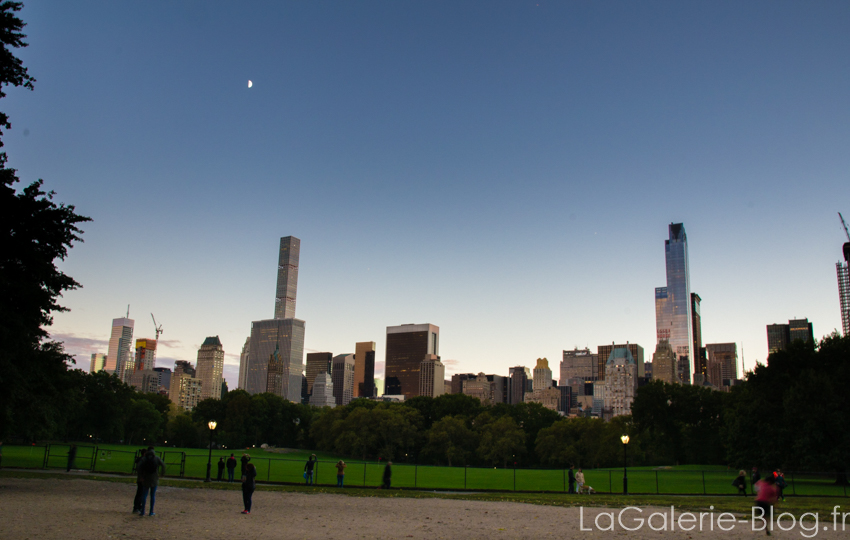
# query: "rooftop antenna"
157, 329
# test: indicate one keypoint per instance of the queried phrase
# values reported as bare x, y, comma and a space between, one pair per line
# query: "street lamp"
625, 439
211, 425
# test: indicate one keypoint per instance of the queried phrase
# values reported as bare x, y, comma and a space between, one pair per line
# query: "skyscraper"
98, 361
317, 363
722, 364
243, 365
120, 342
342, 374
779, 336
519, 376
579, 363
696, 332
284, 333
673, 303
145, 355
210, 366
604, 351
323, 391
542, 375
432, 374
364, 369
407, 346
664, 363
620, 382
843, 271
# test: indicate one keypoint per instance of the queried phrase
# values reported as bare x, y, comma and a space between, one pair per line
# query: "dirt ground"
85, 509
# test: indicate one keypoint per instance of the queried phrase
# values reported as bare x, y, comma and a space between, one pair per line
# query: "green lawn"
289, 468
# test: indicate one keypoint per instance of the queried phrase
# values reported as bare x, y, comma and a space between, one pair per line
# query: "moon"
250, 84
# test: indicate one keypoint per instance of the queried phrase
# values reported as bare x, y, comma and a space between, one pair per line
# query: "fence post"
46, 456
364, 474
269, 472
316, 481
656, 483
703, 482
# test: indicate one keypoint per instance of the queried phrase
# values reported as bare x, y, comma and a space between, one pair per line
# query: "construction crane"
157, 329
844, 224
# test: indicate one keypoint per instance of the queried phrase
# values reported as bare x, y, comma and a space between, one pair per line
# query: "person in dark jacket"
308, 469
151, 467
72, 453
220, 468
740, 482
245, 459
388, 475
249, 484
231, 467
754, 479
137, 502
572, 479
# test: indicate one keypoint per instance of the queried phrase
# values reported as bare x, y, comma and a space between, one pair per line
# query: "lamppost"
625, 439
211, 425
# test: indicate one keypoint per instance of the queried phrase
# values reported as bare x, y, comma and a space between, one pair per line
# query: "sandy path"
86, 509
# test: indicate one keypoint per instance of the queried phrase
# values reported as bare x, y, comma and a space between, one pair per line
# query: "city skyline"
456, 164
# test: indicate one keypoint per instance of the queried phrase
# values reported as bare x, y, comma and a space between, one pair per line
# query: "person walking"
572, 479
249, 484
580, 480
781, 484
231, 467
151, 467
72, 454
388, 475
754, 479
340, 472
308, 469
766, 498
740, 482
137, 502
220, 468
245, 459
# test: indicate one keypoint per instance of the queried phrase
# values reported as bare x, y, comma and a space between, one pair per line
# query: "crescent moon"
250, 84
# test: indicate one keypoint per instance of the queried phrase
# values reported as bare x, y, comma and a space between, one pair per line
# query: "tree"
35, 232
143, 422
182, 432
501, 441
452, 439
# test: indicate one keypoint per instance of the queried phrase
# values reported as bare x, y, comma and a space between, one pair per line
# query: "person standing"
766, 498
340, 472
754, 479
249, 484
231, 467
220, 468
308, 469
572, 479
137, 502
580, 480
151, 467
740, 482
388, 475
245, 459
781, 484
72, 454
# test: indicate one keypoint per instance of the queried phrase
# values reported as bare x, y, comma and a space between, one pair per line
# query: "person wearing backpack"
150, 466
231, 467
137, 502
781, 484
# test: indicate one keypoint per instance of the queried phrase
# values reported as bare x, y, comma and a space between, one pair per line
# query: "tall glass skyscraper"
673, 303
120, 345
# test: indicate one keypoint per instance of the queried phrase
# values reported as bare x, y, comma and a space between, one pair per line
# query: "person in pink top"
766, 498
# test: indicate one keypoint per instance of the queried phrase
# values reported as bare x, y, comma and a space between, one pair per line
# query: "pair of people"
149, 467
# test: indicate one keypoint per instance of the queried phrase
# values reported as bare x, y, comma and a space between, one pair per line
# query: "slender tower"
673, 317
287, 278
843, 271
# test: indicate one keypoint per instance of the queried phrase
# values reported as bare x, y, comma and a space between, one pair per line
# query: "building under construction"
843, 271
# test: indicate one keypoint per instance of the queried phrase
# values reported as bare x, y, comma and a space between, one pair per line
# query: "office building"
407, 347
664, 363
163, 379
145, 381
243, 365
647, 370
120, 343
145, 359
542, 375
604, 351
597, 399
457, 382
317, 362
98, 362
779, 336
283, 333
722, 364
323, 391
549, 397
489, 389
565, 399
342, 375
673, 320
210, 367
579, 363
519, 378
696, 336
620, 382
364, 369
185, 388
432, 374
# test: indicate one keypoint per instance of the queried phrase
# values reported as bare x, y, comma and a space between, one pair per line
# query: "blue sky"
504, 170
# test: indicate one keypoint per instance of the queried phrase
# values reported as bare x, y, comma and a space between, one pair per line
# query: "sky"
506, 171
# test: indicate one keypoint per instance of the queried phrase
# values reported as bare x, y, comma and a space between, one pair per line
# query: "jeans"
145, 490
309, 478
339, 478
246, 497
230, 475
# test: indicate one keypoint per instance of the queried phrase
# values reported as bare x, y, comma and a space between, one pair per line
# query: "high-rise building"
317, 362
431, 376
120, 343
364, 369
243, 365
145, 355
843, 271
342, 374
620, 382
604, 351
283, 333
519, 377
779, 336
407, 346
673, 320
323, 391
457, 382
98, 362
210, 367
579, 363
542, 375
696, 333
185, 388
164, 381
722, 364
664, 363
489, 389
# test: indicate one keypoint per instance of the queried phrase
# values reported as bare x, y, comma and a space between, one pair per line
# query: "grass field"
289, 467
